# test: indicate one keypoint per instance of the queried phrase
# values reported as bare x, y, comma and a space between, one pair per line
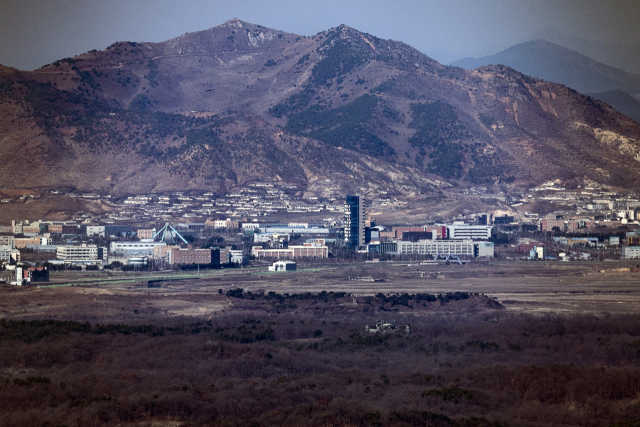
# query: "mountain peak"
240, 102
238, 23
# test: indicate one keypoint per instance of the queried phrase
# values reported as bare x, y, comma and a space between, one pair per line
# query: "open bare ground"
571, 288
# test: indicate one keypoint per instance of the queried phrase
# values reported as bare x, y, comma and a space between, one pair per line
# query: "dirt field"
140, 356
570, 288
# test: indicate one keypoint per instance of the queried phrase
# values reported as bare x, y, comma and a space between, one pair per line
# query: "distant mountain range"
618, 54
340, 111
548, 61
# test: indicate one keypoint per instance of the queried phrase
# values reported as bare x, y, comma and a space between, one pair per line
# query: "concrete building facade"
445, 247
188, 256
83, 252
134, 248
631, 252
308, 250
461, 231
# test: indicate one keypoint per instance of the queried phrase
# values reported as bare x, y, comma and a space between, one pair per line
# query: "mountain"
618, 54
240, 103
621, 101
548, 61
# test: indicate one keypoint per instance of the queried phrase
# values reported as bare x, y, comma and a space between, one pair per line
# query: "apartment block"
22, 243
162, 252
146, 233
308, 250
631, 252
7, 241
189, 256
461, 231
78, 253
549, 224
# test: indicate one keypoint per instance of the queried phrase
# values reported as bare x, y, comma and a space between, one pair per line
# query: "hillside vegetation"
240, 102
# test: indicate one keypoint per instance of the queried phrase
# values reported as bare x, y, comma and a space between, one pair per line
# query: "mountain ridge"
240, 102
549, 61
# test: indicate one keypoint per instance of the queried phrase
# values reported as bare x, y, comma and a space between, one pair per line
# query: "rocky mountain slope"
548, 61
240, 103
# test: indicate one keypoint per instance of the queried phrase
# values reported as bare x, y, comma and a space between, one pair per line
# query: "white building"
294, 230
130, 249
484, 249
83, 252
8, 241
631, 252
96, 230
446, 247
220, 223
308, 250
283, 266
434, 247
7, 254
462, 231
236, 257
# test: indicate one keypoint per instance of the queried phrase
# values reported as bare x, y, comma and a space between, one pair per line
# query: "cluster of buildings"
94, 239
459, 238
361, 234
72, 245
255, 200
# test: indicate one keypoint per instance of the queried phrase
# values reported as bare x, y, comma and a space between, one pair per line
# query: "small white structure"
631, 252
96, 230
19, 279
284, 266
236, 257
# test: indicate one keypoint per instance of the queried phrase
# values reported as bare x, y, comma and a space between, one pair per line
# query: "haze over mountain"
623, 54
240, 102
548, 61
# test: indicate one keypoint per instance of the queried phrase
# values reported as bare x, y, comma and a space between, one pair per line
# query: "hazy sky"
37, 32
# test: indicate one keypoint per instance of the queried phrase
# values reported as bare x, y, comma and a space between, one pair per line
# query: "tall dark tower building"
354, 214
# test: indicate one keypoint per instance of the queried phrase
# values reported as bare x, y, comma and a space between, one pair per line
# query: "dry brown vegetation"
470, 363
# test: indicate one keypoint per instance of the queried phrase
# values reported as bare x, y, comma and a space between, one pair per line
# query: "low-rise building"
283, 266
32, 274
435, 247
308, 250
134, 248
188, 256
21, 243
31, 230
83, 252
549, 224
631, 252
396, 232
285, 229
7, 241
62, 229
220, 223
462, 231
96, 230
9, 254
162, 252
146, 233
445, 247
437, 231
